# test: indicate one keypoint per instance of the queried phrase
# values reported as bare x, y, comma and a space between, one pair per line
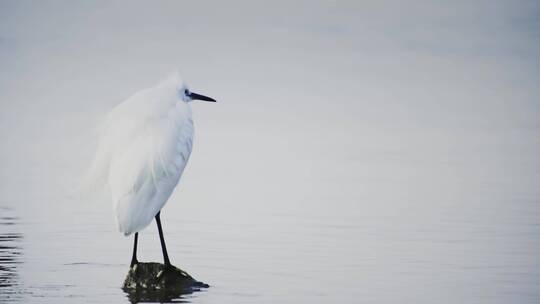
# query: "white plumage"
145, 143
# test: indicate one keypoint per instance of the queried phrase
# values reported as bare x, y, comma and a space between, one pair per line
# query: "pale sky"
326, 79
424, 114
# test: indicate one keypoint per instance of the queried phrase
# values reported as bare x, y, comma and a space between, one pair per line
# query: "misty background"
359, 151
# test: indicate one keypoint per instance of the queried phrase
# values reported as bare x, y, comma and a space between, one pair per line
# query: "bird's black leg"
134, 258
163, 247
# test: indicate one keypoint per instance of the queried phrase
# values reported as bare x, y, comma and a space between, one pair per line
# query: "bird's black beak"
196, 96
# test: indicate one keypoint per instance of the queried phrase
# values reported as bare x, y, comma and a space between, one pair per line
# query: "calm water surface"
333, 244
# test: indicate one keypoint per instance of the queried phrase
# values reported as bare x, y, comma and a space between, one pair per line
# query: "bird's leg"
163, 247
134, 257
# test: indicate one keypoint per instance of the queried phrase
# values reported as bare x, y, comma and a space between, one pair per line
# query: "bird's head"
187, 96
183, 90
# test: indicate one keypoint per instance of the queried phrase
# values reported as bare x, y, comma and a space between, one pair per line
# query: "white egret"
145, 143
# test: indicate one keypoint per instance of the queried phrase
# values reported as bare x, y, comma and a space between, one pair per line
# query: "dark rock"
151, 282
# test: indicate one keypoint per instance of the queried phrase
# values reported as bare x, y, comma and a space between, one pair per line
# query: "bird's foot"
168, 267
134, 263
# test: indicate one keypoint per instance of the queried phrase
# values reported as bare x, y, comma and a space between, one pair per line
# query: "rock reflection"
162, 296
10, 253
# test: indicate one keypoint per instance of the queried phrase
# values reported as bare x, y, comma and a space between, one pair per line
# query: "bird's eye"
186, 92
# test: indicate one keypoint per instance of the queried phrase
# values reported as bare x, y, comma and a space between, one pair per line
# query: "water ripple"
10, 257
